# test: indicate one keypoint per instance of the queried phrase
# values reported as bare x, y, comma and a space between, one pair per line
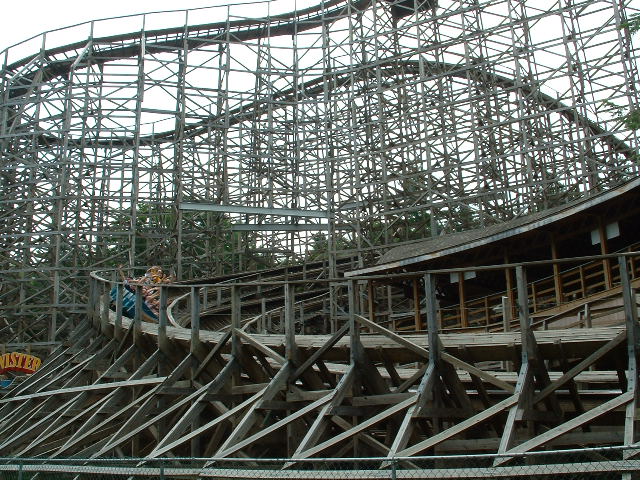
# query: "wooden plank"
356, 429
459, 427
294, 416
567, 426
319, 424
456, 362
197, 405
251, 416
86, 388
524, 383
146, 407
198, 431
212, 353
580, 367
384, 399
259, 346
321, 351
406, 427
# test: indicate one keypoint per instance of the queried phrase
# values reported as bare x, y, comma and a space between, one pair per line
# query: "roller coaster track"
156, 389
290, 363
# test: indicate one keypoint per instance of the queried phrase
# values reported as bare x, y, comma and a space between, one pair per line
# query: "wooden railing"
553, 292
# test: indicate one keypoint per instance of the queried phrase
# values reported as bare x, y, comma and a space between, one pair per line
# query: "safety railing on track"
259, 310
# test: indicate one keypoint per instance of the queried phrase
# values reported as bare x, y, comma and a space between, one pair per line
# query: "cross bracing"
399, 126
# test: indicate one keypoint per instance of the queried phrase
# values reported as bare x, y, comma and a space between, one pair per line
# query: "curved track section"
283, 376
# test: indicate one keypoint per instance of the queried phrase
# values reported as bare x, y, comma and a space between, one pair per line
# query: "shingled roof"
444, 245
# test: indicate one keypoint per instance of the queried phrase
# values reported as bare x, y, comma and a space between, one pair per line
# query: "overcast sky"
23, 19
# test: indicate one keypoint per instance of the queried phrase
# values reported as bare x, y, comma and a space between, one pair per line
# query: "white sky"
20, 20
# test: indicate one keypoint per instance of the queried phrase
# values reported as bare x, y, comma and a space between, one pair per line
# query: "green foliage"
629, 118
632, 23
632, 119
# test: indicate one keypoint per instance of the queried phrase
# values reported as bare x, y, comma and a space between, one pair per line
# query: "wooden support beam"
163, 341
566, 427
633, 349
285, 421
289, 322
212, 353
195, 319
371, 291
261, 347
207, 426
318, 426
580, 367
406, 427
320, 352
197, 404
356, 429
459, 427
423, 352
522, 389
274, 387
416, 305
129, 426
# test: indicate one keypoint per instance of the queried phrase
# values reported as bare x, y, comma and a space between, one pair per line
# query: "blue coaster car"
129, 304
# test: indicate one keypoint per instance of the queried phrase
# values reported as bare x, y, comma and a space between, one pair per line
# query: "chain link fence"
593, 463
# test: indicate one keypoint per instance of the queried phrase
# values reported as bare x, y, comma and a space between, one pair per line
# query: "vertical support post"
633, 337
506, 327
162, 319
354, 327
235, 320
416, 305
464, 318
371, 300
137, 316
205, 298
195, 319
587, 316
432, 318
509, 285
263, 315
104, 311
557, 278
604, 250
94, 308
289, 321
523, 312
119, 301
390, 308
523, 385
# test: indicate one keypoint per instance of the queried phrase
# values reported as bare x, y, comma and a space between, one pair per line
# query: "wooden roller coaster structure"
383, 128
265, 386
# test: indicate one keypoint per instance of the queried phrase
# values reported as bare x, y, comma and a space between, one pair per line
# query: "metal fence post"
394, 466
20, 471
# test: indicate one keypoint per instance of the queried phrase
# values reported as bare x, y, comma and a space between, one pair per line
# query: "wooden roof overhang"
487, 246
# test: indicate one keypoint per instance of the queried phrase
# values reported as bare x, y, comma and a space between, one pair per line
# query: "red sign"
19, 362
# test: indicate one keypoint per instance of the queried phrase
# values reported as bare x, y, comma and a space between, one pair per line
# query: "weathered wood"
318, 426
320, 351
261, 347
356, 429
567, 426
196, 406
406, 427
459, 427
251, 416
